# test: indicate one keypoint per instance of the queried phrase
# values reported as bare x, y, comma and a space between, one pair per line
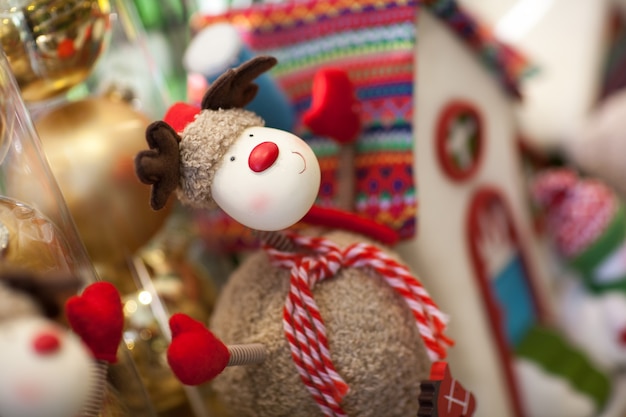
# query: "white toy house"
476, 249
452, 127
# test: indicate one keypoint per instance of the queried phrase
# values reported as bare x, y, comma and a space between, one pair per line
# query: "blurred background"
499, 94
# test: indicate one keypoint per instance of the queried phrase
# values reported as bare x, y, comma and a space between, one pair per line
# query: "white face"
40, 377
267, 180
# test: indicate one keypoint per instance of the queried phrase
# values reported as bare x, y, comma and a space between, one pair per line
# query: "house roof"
508, 65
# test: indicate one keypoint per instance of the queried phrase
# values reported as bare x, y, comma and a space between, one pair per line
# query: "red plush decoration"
97, 317
195, 354
344, 220
334, 108
180, 115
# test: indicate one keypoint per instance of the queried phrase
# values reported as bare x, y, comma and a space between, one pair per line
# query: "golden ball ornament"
90, 146
28, 240
182, 286
52, 45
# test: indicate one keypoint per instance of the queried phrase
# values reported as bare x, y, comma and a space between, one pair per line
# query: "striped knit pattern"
373, 40
505, 63
578, 211
304, 327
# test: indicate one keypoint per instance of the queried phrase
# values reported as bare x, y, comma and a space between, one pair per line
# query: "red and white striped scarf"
318, 259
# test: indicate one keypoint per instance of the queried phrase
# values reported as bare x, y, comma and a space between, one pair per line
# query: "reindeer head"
46, 369
265, 178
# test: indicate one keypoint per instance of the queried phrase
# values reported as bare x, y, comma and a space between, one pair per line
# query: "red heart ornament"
97, 317
195, 354
334, 108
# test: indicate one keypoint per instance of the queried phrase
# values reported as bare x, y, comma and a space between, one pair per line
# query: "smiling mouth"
303, 161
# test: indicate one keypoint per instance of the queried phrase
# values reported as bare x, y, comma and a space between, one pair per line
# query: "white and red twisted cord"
304, 327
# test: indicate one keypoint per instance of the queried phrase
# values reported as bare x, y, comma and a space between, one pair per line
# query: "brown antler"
234, 88
159, 166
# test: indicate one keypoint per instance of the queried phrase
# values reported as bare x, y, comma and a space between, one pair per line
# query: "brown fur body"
373, 339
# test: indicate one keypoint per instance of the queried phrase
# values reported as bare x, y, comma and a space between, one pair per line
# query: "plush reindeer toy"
329, 321
47, 370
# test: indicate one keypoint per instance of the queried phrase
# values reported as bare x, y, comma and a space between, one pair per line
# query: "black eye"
251, 135
232, 158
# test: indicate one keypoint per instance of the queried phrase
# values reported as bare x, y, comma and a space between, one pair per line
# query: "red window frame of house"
449, 113
480, 199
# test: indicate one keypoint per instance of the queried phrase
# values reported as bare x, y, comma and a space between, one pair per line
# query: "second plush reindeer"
48, 371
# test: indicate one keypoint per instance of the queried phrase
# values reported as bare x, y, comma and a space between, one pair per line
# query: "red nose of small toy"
263, 156
46, 342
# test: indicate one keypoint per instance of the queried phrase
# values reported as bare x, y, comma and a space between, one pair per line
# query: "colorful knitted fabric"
504, 62
585, 220
578, 211
373, 41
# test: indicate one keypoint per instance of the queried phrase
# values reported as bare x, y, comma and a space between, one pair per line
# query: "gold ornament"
90, 146
52, 45
32, 242
182, 286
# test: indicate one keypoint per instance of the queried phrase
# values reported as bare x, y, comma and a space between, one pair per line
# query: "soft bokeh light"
144, 297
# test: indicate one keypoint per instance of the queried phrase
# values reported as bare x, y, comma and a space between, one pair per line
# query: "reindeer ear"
235, 88
159, 166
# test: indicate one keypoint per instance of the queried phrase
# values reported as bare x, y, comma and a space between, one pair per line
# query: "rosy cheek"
259, 203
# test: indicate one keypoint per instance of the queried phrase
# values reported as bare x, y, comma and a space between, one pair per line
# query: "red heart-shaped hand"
97, 317
195, 354
334, 108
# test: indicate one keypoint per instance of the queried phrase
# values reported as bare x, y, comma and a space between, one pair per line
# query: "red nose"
263, 156
46, 342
